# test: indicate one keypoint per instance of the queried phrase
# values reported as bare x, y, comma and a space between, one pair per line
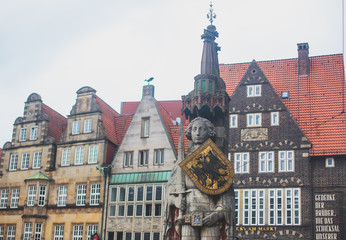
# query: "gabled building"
140, 170
287, 122
26, 170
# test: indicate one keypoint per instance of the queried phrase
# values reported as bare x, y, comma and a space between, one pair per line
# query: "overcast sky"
55, 47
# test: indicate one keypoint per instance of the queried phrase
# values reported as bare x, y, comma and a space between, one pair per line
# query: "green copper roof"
38, 176
146, 177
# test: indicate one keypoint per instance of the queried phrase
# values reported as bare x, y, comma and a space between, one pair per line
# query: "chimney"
148, 90
303, 59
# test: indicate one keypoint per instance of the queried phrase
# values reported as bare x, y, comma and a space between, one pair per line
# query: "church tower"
209, 98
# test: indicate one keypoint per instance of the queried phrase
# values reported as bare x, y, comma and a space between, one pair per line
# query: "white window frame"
22, 134
3, 198
25, 161
128, 159
275, 118
31, 195
254, 90
266, 162
11, 232
27, 231
93, 154
33, 133
330, 162
91, 230
13, 162
286, 163
246, 207
159, 156
241, 162
236, 205
38, 231
145, 128
254, 119
261, 207
66, 157
15, 197
79, 156
42, 195
233, 121
143, 157
37, 160
76, 127
95, 192
59, 232
88, 123
81, 194
77, 232
2, 231
62, 196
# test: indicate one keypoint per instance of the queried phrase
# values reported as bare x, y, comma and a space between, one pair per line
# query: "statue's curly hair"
209, 125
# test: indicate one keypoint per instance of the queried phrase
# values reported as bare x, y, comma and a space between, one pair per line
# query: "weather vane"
211, 15
149, 80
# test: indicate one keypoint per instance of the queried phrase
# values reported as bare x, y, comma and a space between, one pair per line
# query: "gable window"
233, 121
159, 156
75, 127
13, 162
81, 195
88, 123
266, 161
22, 134
11, 233
79, 156
143, 157
286, 161
254, 119
66, 157
254, 90
241, 162
274, 118
42, 196
25, 161
62, 195
37, 160
59, 232
27, 231
95, 194
145, 127
77, 232
93, 153
33, 133
330, 162
38, 231
31, 195
3, 198
15, 198
128, 159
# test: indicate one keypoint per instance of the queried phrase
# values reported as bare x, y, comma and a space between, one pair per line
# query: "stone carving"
191, 214
254, 134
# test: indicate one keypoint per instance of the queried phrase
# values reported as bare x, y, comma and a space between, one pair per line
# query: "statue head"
199, 130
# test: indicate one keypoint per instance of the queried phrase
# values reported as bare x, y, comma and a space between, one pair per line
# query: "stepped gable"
108, 115
57, 122
316, 101
121, 123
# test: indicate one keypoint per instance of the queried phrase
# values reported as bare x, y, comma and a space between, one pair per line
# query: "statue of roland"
185, 201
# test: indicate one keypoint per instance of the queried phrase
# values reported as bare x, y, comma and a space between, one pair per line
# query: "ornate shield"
209, 169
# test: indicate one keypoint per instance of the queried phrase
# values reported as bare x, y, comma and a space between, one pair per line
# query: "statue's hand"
211, 219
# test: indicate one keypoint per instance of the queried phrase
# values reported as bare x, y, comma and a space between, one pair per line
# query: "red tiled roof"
172, 107
175, 136
108, 115
57, 122
317, 102
121, 122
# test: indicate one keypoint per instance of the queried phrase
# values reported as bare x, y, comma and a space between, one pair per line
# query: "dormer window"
33, 133
285, 94
75, 127
254, 91
22, 134
88, 125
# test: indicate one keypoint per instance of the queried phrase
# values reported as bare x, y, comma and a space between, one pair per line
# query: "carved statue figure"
191, 214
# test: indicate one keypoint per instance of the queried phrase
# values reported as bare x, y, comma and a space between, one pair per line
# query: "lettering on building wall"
263, 229
327, 219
